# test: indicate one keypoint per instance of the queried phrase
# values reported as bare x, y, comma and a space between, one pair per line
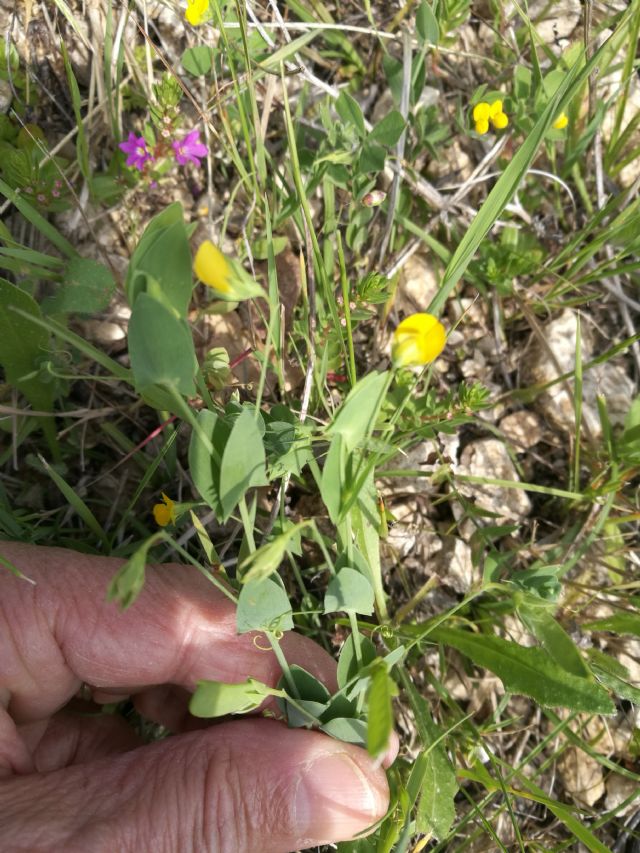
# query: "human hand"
78, 782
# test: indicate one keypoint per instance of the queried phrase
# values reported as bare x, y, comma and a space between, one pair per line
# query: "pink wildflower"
136, 148
190, 149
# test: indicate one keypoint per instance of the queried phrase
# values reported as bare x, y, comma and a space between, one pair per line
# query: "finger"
61, 631
77, 738
242, 786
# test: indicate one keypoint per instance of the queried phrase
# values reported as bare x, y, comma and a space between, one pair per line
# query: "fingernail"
335, 799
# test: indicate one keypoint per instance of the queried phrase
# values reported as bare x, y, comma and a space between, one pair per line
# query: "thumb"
239, 786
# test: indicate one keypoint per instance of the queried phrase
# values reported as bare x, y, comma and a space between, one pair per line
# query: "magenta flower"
136, 148
190, 149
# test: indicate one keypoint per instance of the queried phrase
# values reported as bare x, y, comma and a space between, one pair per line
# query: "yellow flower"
419, 339
164, 513
561, 122
483, 113
212, 268
197, 12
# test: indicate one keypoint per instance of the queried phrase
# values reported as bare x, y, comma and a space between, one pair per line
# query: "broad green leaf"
23, 345
263, 606
197, 60
87, 288
553, 638
164, 270
160, 347
426, 24
349, 111
204, 466
346, 729
436, 777
128, 581
529, 671
619, 623
357, 415
312, 695
162, 261
333, 477
217, 699
380, 713
348, 666
266, 560
243, 462
349, 591
388, 130
372, 158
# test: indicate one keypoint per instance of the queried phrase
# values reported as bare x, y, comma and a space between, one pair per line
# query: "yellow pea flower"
197, 12
212, 268
223, 275
165, 512
418, 340
561, 122
483, 113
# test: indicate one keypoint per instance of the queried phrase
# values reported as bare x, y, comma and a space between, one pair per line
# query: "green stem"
347, 311
284, 666
246, 523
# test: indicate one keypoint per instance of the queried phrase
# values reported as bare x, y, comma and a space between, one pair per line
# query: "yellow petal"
481, 111
418, 340
212, 268
495, 109
500, 121
164, 513
561, 122
482, 126
197, 11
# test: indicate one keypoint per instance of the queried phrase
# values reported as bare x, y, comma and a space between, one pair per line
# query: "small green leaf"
204, 467
346, 729
128, 581
348, 667
349, 591
217, 699
349, 111
426, 24
372, 158
380, 715
263, 606
529, 671
619, 623
198, 60
243, 462
160, 347
266, 560
388, 131
357, 415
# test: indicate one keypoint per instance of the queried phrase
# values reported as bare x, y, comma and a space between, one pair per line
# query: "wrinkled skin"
78, 781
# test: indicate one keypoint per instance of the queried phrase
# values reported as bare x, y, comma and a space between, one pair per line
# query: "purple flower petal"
190, 149
136, 148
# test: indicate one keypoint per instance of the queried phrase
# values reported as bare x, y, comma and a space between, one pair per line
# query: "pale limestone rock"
581, 776
619, 788
417, 285
556, 404
489, 458
523, 428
